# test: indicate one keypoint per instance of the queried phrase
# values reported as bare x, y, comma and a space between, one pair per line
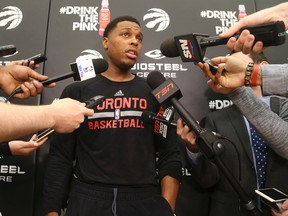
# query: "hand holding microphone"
12, 75
192, 47
99, 66
60, 124
166, 91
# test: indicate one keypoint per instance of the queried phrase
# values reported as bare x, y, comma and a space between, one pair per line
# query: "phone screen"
273, 193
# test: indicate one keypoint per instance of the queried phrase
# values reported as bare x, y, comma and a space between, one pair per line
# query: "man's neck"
118, 76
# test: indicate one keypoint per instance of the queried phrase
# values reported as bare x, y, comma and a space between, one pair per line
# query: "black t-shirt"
114, 146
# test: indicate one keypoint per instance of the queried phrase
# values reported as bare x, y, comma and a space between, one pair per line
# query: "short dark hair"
113, 23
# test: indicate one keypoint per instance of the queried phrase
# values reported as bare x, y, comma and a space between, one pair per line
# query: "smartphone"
272, 197
44, 134
37, 58
212, 66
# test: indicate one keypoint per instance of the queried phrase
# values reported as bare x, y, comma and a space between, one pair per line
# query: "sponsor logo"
88, 17
11, 17
187, 49
156, 19
89, 54
8, 171
219, 104
155, 54
144, 68
119, 93
226, 18
117, 113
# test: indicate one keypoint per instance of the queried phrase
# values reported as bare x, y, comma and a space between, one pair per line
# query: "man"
115, 152
240, 156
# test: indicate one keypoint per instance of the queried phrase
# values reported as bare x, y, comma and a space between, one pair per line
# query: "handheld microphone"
7, 50
99, 66
192, 47
150, 117
91, 103
166, 91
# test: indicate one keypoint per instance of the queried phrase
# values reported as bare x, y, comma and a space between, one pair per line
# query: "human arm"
63, 116
19, 147
272, 128
275, 79
169, 166
169, 190
245, 41
12, 76
203, 171
272, 77
58, 172
52, 214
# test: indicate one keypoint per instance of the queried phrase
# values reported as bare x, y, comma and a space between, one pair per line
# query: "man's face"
123, 44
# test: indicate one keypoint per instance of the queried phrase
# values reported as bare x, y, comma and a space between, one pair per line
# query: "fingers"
258, 47
231, 43
30, 89
51, 85
87, 111
248, 44
233, 30
238, 45
34, 75
32, 65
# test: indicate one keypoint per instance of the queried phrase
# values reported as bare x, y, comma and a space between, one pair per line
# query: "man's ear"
105, 42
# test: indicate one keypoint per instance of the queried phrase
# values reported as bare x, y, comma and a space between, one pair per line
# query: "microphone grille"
154, 79
100, 65
169, 48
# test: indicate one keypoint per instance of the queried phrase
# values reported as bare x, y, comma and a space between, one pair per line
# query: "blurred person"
115, 170
240, 155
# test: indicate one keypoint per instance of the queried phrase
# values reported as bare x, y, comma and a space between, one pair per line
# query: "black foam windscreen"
154, 79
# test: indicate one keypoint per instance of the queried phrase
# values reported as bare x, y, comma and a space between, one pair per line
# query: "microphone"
150, 117
99, 66
91, 103
192, 47
166, 91
85, 72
